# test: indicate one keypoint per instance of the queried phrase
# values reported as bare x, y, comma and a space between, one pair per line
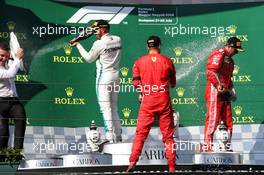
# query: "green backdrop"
58, 86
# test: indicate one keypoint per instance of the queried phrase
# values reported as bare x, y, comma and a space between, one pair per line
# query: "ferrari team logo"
154, 59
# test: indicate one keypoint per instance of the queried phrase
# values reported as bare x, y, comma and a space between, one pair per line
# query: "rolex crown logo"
238, 110
178, 51
11, 25
236, 69
69, 91
126, 112
67, 49
232, 29
180, 91
124, 71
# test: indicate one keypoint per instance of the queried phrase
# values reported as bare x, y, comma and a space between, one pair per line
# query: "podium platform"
117, 155
219, 158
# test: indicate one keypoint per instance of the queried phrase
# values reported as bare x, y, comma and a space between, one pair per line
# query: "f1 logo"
112, 14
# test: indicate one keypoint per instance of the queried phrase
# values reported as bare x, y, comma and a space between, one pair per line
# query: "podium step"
219, 158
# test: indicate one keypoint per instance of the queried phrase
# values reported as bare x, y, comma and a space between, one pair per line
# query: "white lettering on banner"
181, 29
112, 14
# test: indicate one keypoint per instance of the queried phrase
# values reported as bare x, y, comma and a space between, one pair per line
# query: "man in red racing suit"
152, 76
219, 90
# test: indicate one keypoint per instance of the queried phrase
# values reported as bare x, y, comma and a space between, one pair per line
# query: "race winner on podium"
106, 51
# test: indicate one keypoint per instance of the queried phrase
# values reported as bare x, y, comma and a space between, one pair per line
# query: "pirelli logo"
113, 14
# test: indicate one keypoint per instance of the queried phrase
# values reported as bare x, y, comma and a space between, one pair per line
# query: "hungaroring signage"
58, 86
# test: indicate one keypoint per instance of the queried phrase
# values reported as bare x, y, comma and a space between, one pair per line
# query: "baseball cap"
101, 24
153, 41
235, 43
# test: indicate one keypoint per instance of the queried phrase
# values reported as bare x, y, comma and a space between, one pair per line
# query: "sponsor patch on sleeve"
216, 60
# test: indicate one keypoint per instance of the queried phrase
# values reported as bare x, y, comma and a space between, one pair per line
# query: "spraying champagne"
86, 33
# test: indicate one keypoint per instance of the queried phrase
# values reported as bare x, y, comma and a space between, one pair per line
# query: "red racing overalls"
219, 70
152, 75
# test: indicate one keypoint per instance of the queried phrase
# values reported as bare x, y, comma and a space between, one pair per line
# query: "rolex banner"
58, 86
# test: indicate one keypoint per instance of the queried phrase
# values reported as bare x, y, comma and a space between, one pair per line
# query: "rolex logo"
126, 112
238, 110
236, 69
178, 51
67, 49
69, 91
232, 29
180, 91
11, 25
124, 71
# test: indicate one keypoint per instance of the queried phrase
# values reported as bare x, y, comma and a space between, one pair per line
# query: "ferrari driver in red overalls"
219, 90
152, 76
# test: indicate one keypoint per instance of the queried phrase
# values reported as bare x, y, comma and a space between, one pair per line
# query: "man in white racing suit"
106, 51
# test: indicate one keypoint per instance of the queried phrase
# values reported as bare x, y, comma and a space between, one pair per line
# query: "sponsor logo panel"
182, 99
126, 120
67, 57
69, 99
180, 57
240, 118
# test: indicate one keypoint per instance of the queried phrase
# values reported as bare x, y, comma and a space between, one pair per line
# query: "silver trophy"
223, 138
93, 137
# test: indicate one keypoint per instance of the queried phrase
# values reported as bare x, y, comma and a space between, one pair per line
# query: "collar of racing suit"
226, 52
105, 35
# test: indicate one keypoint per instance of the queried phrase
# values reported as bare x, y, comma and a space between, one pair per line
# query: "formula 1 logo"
112, 14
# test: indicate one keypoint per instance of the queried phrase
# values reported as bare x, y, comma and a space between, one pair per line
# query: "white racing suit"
107, 53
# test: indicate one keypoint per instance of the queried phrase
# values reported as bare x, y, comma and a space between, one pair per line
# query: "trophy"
93, 137
223, 138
